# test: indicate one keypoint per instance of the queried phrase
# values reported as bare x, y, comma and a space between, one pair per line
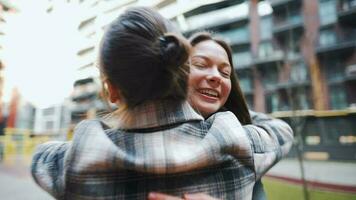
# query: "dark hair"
236, 102
142, 59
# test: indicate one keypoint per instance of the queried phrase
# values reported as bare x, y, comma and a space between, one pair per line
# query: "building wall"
53, 120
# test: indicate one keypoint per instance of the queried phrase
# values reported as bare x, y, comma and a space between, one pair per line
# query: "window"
245, 80
327, 12
49, 125
266, 28
335, 128
241, 58
48, 111
249, 100
348, 4
269, 76
295, 16
337, 96
303, 100
272, 102
298, 72
236, 35
335, 70
327, 37
312, 132
265, 50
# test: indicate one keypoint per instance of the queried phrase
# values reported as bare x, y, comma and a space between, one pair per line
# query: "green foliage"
280, 190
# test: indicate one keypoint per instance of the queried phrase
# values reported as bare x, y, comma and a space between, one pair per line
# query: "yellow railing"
17, 142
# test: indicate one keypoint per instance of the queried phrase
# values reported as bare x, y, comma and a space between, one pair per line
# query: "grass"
280, 190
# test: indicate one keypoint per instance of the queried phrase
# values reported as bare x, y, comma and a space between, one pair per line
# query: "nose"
214, 77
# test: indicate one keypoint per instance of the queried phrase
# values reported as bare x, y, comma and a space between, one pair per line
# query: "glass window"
49, 125
301, 98
236, 35
249, 100
327, 37
48, 111
327, 12
335, 70
298, 72
295, 16
312, 132
348, 4
245, 80
265, 50
269, 76
242, 58
335, 127
272, 102
337, 97
266, 28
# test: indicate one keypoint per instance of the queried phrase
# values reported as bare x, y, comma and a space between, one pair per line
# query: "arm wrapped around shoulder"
271, 140
47, 167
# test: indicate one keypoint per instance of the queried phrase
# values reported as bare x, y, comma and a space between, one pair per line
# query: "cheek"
226, 89
194, 78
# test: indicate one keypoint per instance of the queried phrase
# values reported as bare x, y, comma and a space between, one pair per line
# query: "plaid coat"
168, 148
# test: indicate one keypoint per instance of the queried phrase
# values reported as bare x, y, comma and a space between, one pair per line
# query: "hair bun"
174, 50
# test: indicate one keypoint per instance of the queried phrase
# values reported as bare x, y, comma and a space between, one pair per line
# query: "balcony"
350, 73
271, 58
337, 45
221, 17
242, 60
288, 24
347, 15
292, 84
237, 36
84, 90
277, 3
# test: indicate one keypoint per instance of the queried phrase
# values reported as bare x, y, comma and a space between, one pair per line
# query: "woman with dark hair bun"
155, 141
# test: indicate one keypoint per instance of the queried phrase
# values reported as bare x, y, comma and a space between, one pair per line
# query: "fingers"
198, 196
160, 196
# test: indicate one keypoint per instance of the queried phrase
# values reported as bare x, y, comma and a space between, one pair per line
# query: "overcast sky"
39, 53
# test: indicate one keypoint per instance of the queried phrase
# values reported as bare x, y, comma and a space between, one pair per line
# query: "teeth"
209, 92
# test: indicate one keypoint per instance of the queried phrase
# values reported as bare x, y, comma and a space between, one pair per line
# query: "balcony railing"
337, 42
289, 23
279, 2
235, 36
347, 13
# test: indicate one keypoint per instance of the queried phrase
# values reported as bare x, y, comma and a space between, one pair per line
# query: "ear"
114, 93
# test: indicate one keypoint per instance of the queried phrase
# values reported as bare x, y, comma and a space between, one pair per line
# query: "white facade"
52, 120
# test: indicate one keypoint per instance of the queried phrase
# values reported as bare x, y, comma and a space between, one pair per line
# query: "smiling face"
209, 79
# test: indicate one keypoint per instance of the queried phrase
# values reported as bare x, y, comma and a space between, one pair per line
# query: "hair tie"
163, 45
163, 41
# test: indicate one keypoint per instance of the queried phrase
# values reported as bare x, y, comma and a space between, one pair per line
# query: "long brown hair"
236, 102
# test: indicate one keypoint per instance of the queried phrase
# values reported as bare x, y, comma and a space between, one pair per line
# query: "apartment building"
293, 58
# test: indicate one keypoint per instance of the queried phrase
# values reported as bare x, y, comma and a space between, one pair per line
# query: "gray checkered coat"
169, 148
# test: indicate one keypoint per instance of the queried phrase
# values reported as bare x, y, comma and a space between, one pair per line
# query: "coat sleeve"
47, 167
271, 140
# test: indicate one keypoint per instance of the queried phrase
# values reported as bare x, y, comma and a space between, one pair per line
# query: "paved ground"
16, 182
327, 175
340, 173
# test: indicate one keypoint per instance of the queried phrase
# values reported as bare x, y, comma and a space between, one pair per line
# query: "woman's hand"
196, 196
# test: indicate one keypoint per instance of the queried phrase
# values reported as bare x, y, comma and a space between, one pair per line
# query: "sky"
40, 53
